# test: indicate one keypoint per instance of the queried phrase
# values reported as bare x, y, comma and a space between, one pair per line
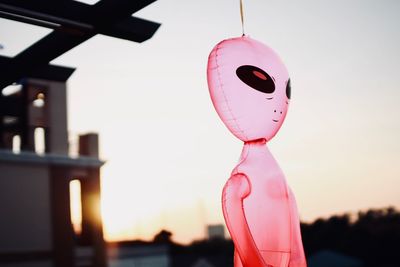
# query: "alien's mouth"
275, 120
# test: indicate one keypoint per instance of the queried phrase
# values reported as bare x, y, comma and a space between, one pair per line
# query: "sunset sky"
168, 154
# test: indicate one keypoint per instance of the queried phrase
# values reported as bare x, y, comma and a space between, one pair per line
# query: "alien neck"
254, 148
256, 142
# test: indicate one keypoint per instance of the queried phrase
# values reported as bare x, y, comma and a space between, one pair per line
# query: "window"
76, 205
39, 136
16, 144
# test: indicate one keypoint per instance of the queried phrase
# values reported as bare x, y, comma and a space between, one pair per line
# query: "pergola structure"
72, 23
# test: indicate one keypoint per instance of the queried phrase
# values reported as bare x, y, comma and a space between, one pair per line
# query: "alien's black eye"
288, 89
256, 78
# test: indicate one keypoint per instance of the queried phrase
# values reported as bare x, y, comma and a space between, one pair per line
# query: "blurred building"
216, 231
139, 254
330, 258
35, 175
166, 253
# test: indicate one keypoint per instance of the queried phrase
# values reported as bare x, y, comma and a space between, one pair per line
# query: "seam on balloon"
223, 93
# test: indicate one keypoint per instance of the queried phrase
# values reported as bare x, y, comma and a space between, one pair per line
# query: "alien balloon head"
249, 87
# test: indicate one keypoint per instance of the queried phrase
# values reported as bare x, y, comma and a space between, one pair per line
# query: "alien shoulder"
238, 186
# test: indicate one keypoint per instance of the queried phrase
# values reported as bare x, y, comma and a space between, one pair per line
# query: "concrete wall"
25, 223
57, 101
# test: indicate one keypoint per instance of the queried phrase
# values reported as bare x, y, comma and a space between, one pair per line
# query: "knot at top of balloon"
249, 87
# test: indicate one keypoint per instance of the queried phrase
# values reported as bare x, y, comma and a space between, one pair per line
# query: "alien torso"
266, 207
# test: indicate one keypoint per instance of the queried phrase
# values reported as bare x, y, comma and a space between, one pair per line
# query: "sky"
168, 154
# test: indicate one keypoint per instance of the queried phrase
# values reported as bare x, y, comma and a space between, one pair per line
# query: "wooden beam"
74, 23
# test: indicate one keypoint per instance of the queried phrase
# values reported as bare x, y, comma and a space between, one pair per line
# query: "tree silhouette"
374, 236
163, 237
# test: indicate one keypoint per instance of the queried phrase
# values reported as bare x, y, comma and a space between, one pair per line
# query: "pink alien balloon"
250, 89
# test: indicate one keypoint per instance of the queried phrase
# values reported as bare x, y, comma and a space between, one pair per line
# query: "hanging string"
241, 16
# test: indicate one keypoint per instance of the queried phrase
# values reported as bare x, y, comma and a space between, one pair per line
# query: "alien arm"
297, 257
235, 191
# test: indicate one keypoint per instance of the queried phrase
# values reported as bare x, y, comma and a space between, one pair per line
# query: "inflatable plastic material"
250, 89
